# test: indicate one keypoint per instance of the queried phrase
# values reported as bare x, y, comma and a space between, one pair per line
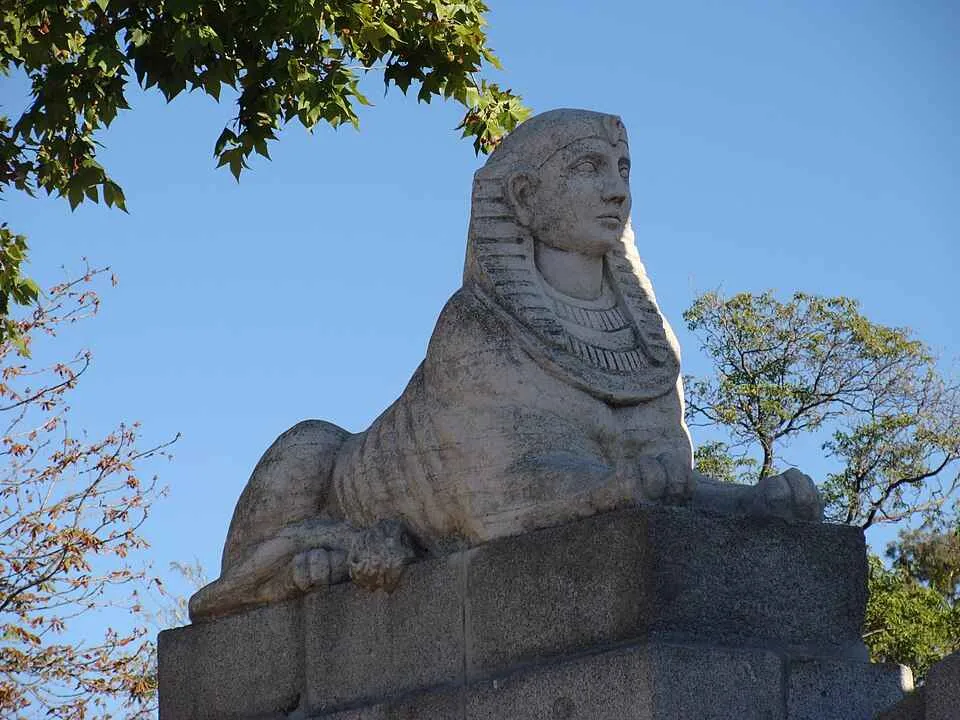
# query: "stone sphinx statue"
550, 391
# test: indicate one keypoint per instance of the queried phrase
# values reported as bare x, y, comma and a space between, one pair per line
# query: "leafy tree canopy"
817, 365
931, 557
287, 59
908, 622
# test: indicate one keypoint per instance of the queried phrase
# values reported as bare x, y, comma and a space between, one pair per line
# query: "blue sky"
809, 146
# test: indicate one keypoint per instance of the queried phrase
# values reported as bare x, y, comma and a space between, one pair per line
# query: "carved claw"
790, 496
374, 558
318, 568
379, 555
666, 478
653, 479
681, 482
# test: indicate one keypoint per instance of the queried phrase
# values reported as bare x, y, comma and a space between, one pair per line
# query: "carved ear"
520, 187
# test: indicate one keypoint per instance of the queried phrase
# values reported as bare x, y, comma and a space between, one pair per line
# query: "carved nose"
615, 190
616, 195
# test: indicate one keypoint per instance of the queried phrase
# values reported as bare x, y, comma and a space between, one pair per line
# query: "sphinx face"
581, 201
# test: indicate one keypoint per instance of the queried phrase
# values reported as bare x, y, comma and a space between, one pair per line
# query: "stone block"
666, 573
436, 705
238, 667
844, 690
555, 591
943, 689
550, 610
715, 684
912, 707
789, 586
603, 687
362, 646
642, 683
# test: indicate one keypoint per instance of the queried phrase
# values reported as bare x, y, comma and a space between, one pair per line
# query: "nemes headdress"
536, 140
500, 267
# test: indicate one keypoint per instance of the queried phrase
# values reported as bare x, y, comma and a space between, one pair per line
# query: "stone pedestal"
643, 614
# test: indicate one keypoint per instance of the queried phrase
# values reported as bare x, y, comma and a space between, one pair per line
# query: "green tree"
931, 557
907, 621
286, 60
913, 613
872, 394
715, 460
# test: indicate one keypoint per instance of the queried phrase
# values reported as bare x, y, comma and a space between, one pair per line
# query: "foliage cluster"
908, 622
888, 418
286, 60
70, 512
930, 557
913, 616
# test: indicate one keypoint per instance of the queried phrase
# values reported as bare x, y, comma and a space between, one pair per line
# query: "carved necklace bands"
597, 330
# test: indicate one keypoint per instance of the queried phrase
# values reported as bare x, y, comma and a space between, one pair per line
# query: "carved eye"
625, 170
586, 166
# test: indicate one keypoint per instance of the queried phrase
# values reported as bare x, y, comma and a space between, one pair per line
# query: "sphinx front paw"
666, 478
379, 556
791, 495
319, 567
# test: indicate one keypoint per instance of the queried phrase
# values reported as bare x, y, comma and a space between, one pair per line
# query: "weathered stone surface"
912, 707
642, 683
755, 580
437, 705
633, 683
648, 575
643, 575
603, 687
244, 666
657, 681
714, 684
556, 591
550, 391
668, 573
838, 690
363, 646
942, 689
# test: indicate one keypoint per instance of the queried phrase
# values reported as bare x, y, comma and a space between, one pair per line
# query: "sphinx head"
568, 179
561, 180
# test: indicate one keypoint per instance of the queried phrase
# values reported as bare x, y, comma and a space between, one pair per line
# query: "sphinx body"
550, 391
